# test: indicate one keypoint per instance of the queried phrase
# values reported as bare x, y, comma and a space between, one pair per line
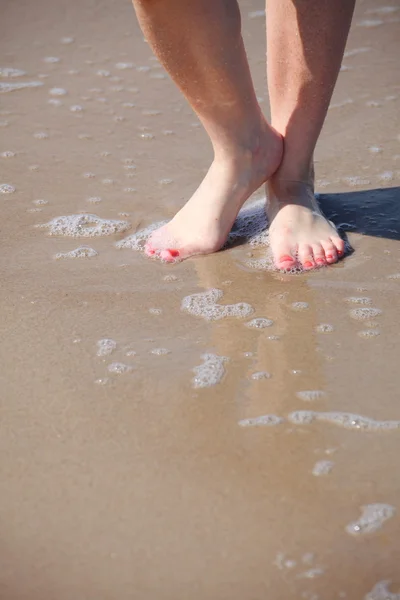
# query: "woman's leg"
199, 42
305, 45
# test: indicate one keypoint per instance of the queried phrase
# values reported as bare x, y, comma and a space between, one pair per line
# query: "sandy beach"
156, 445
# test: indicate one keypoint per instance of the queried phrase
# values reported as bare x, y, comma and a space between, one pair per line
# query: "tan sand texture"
120, 479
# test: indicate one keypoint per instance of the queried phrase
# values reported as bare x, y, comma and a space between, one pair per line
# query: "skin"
199, 43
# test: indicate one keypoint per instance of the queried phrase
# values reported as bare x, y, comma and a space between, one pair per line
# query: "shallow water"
207, 429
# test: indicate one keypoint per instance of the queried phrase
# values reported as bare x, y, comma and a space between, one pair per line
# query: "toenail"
286, 258
340, 252
320, 261
173, 253
308, 264
329, 256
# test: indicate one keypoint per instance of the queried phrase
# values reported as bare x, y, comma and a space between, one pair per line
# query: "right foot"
203, 224
300, 236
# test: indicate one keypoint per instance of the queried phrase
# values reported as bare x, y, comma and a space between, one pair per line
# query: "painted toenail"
173, 253
286, 258
340, 252
329, 256
308, 264
320, 261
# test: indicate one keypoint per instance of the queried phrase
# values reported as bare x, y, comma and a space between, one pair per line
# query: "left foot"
300, 236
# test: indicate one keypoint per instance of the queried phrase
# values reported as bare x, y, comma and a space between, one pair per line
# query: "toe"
330, 251
319, 255
169, 255
149, 250
284, 257
339, 245
306, 257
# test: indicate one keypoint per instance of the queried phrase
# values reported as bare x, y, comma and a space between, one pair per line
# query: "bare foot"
203, 224
300, 235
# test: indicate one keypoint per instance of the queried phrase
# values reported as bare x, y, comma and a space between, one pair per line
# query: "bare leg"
199, 42
305, 45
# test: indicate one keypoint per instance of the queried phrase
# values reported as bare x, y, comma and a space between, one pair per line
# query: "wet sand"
142, 484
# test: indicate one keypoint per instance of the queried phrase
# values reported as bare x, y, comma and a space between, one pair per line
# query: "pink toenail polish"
340, 252
329, 256
286, 258
320, 261
308, 264
173, 253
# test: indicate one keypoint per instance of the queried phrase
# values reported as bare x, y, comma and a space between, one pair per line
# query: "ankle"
296, 172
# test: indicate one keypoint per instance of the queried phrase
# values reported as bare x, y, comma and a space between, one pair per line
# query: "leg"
305, 45
199, 42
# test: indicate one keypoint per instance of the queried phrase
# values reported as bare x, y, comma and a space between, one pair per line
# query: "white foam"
310, 395
7, 154
322, 467
84, 226
51, 59
58, 92
6, 188
380, 591
369, 333
119, 368
369, 23
356, 51
324, 328
205, 305
137, 240
11, 87
363, 314
259, 323
160, 351
261, 375
81, 252
11, 72
372, 518
382, 10
359, 300
343, 419
299, 306
211, 372
264, 420
106, 346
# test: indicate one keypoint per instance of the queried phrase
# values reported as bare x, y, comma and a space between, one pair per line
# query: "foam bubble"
51, 59
6, 188
7, 154
261, 375
67, 40
106, 346
312, 574
160, 351
155, 311
211, 372
363, 314
11, 87
381, 591
369, 333
343, 419
259, 323
372, 518
122, 66
394, 276
383, 10
322, 467
370, 23
359, 300
41, 135
324, 328
264, 420
81, 252
310, 395
119, 368
40, 202
54, 102
84, 226
137, 240
94, 199
11, 72
76, 108
205, 305
57, 92
299, 306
